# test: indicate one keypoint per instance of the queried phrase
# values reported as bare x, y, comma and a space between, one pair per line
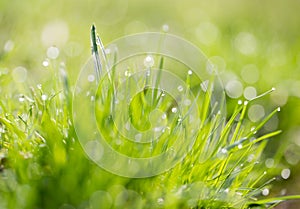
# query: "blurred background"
255, 45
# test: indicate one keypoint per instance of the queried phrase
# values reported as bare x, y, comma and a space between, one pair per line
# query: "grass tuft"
42, 164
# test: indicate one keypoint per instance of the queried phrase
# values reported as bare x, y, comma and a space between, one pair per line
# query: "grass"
44, 166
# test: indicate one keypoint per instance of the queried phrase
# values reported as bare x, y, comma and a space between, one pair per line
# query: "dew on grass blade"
180, 88
39, 86
44, 97
45, 63
91, 78
174, 110
127, 73
285, 173
165, 28
149, 61
21, 98
265, 192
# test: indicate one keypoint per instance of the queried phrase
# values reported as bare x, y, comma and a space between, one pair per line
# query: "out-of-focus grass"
254, 43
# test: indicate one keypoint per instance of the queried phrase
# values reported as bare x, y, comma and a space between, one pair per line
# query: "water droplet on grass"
21, 98
265, 192
165, 28
174, 110
149, 61
45, 63
39, 86
127, 73
180, 88
91, 78
285, 173
44, 97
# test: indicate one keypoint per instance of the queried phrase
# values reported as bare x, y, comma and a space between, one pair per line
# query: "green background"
233, 33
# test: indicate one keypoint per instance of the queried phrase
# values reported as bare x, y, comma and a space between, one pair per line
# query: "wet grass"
43, 165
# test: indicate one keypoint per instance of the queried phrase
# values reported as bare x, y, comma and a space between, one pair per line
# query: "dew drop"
190, 72
174, 110
180, 88
127, 73
39, 86
91, 78
45, 63
44, 97
285, 173
149, 61
165, 28
21, 99
265, 192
